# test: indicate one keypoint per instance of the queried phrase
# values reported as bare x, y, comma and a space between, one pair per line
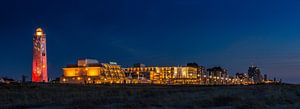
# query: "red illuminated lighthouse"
39, 63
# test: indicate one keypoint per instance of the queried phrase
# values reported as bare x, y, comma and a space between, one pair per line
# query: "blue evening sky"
230, 33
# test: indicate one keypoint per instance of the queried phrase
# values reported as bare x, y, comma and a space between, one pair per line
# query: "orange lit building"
91, 71
164, 75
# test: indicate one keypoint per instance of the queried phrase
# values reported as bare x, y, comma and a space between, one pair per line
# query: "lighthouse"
39, 63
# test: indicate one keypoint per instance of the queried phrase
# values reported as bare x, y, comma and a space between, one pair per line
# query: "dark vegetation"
61, 96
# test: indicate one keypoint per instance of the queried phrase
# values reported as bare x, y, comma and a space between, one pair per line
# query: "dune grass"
70, 96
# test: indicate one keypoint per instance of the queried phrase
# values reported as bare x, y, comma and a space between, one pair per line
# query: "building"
39, 63
217, 76
88, 71
241, 75
266, 77
163, 75
200, 69
7, 80
217, 72
255, 74
244, 78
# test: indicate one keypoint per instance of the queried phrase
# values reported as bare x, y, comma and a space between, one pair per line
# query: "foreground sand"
61, 96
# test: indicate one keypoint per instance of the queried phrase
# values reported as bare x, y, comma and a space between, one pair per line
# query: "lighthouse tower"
39, 63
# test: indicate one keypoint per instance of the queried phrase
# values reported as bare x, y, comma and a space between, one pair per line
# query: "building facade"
244, 78
255, 74
39, 63
164, 75
217, 76
89, 71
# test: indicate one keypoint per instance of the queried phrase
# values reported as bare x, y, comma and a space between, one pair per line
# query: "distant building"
217, 72
266, 77
24, 78
244, 78
255, 74
56, 80
217, 75
91, 71
241, 75
7, 80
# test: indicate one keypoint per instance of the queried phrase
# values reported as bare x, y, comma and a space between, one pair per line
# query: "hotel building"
164, 75
91, 71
